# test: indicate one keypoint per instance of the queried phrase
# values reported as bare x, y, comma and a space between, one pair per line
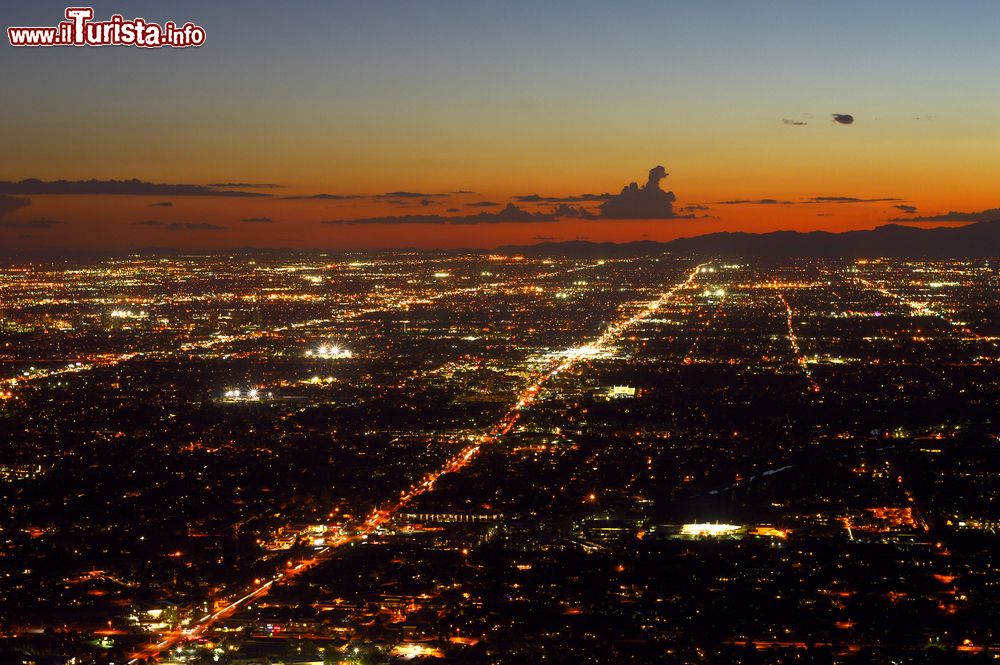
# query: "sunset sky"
393, 108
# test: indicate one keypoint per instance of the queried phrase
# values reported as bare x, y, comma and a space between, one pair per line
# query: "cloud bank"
849, 199
582, 198
132, 187
955, 216
322, 197
510, 214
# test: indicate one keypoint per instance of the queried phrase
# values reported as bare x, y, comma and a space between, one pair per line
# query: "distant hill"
894, 240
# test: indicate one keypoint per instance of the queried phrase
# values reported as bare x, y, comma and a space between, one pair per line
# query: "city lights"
487, 422
329, 352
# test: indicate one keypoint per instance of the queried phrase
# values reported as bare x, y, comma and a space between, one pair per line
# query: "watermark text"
80, 29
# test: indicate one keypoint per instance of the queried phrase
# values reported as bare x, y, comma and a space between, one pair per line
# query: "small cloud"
193, 226
843, 118
794, 123
425, 202
849, 199
9, 204
910, 210
694, 207
464, 191
483, 204
759, 202
148, 222
162, 204
453, 210
244, 185
542, 238
409, 195
322, 197
257, 220
33, 224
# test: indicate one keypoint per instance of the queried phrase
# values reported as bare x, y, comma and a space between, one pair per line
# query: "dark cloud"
193, 226
116, 187
322, 197
244, 185
955, 216
582, 198
9, 204
464, 191
392, 219
396, 198
764, 202
814, 199
162, 204
645, 202
33, 224
794, 123
409, 195
510, 214
483, 204
407, 203
566, 210
843, 118
257, 220
910, 210
148, 222
694, 207
453, 210
849, 199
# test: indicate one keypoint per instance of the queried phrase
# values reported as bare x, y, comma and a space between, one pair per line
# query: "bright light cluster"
712, 530
330, 352
128, 314
585, 351
236, 393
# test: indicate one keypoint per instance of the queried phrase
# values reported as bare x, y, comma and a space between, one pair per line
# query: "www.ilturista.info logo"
79, 29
